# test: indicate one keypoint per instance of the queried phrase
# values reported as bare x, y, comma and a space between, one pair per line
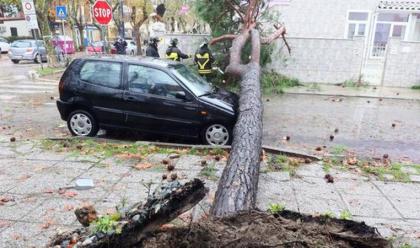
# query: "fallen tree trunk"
238, 185
162, 207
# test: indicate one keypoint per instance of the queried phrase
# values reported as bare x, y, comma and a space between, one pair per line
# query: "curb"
342, 95
268, 149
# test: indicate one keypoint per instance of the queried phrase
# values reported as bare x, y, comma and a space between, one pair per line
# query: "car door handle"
190, 108
134, 99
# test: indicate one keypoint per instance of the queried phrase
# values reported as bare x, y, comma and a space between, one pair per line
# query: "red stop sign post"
102, 12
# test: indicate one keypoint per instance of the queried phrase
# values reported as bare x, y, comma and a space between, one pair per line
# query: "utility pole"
122, 28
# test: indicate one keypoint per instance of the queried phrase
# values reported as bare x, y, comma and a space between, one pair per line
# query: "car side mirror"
181, 95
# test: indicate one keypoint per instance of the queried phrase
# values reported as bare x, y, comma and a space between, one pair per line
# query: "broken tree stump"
164, 205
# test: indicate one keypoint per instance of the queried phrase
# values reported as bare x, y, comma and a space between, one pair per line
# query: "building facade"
333, 41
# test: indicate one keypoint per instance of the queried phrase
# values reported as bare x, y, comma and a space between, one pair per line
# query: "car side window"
147, 80
102, 73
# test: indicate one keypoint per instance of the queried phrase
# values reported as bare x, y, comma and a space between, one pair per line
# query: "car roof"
136, 60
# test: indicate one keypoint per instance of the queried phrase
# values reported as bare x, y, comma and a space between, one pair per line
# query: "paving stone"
273, 192
357, 187
396, 189
409, 170
129, 192
144, 176
190, 162
313, 186
83, 158
415, 178
19, 207
98, 192
108, 173
7, 152
4, 224
391, 227
311, 170
41, 183
20, 235
370, 206
43, 237
342, 174
45, 156
276, 176
6, 184
409, 208
57, 210
317, 204
84, 166
156, 158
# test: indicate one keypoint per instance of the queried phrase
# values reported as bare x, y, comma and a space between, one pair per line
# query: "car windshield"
20, 44
198, 85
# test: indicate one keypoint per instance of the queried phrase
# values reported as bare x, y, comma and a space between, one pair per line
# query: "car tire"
15, 61
82, 123
217, 134
38, 59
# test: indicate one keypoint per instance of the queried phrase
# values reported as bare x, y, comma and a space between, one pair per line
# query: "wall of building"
187, 43
319, 60
320, 18
402, 66
20, 25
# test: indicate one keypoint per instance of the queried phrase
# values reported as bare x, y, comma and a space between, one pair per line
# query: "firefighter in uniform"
174, 53
204, 60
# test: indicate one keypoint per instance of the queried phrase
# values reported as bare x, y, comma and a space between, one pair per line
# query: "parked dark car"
144, 94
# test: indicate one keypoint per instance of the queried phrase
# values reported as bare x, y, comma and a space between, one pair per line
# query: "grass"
415, 87
345, 215
314, 87
209, 172
393, 169
274, 83
77, 147
338, 150
275, 208
284, 163
48, 70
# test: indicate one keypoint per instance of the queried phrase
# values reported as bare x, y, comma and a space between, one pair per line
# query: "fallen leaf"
68, 207
48, 191
143, 166
47, 224
351, 160
24, 177
4, 223
70, 194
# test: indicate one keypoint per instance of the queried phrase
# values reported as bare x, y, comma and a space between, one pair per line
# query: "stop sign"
102, 12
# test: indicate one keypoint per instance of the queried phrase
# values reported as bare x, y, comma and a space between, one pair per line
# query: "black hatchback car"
145, 94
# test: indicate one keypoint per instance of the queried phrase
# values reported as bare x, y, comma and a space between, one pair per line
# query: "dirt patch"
259, 229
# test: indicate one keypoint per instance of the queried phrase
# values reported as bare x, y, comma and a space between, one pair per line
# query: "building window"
13, 31
357, 23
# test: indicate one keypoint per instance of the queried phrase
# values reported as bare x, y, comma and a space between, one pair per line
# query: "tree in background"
184, 20
241, 23
140, 12
77, 17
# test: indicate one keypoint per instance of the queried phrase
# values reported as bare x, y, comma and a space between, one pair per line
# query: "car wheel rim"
81, 124
217, 135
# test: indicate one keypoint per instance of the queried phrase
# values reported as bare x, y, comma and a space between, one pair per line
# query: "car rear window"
21, 44
102, 73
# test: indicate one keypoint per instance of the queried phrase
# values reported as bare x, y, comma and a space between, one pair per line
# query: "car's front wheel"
217, 135
15, 61
82, 123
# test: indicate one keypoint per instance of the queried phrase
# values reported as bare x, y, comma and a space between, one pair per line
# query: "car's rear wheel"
15, 61
37, 59
82, 123
217, 135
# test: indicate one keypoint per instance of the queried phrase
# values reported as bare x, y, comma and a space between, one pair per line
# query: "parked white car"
4, 45
131, 47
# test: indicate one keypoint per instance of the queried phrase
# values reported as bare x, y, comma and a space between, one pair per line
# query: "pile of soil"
260, 229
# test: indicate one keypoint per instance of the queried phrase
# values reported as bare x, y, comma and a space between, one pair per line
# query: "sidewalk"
367, 91
34, 209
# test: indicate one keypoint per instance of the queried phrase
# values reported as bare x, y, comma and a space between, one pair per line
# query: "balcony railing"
379, 50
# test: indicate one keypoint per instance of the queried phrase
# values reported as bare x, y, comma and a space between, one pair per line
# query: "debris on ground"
143, 166
329, 178
12, 139
260, 229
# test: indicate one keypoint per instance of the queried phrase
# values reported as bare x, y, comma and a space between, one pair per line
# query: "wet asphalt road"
28, 108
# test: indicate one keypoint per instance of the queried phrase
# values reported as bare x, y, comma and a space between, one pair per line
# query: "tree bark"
137, 38
238, 185
163, 206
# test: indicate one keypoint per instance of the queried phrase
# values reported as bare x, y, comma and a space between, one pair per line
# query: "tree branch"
280, 32
256, 46
223, 38
236, 9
